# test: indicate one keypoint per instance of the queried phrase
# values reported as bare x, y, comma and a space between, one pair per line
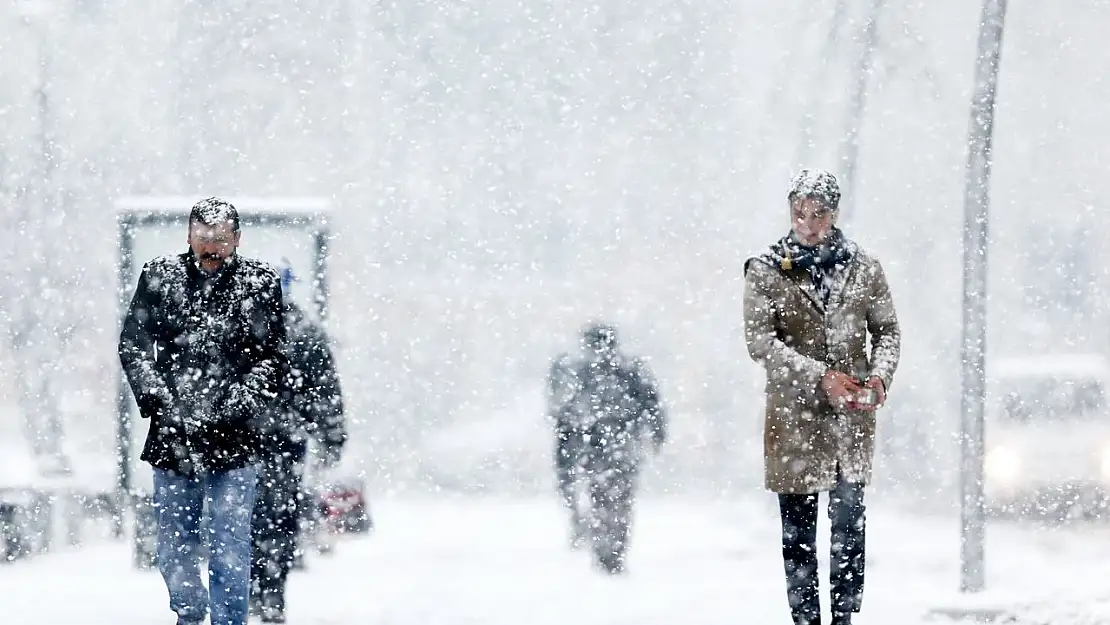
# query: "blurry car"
343, 507
336, 506
1048, 435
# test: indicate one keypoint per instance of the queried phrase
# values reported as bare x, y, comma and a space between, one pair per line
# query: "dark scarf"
818, 261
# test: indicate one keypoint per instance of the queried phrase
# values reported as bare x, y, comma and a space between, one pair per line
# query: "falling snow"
457, 189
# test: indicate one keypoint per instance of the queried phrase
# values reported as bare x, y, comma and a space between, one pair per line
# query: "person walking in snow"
615, 405
310, 405
811, 303
202, 349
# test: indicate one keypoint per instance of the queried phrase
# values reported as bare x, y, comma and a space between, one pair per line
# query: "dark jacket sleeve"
321, 397
652, 412
264, 355
137, 345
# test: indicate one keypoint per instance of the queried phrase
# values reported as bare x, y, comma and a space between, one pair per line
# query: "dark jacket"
203, 355
311, 400
615, 405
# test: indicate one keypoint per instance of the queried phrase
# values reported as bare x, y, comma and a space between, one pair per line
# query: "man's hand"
840, 388
155, 403
242, 404
173, 416
190, 422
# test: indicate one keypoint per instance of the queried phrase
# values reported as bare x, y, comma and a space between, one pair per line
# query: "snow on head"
815, 183
214, 211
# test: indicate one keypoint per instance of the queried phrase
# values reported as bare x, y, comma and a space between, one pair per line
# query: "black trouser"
799, 551
277, 511
612, 494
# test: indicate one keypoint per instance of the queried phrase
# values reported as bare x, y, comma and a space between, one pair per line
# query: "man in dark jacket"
311, 404
616, 406
202, 348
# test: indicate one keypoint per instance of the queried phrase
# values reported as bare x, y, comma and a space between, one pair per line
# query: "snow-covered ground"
494, 561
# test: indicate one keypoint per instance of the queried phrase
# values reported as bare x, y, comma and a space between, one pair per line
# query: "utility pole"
976, 201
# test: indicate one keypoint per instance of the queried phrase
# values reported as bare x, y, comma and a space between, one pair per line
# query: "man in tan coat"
812, 303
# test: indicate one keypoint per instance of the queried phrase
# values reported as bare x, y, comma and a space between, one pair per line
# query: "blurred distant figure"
611, 405
813, 302
202, 346
310, 404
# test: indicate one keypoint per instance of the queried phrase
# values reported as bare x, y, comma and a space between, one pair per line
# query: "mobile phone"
867, 397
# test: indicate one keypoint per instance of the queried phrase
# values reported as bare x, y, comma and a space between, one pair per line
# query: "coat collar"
196, 274
801, 280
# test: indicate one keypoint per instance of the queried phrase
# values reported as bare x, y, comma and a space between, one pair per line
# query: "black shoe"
273, 607
841, 619
273, 615
612, 564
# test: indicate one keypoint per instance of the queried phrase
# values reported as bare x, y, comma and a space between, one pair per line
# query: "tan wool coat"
806, 440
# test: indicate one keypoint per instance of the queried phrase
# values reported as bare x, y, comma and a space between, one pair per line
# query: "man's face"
811, 221
212, 246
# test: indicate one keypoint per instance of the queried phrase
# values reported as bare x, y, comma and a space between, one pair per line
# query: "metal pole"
124, 480
976, 200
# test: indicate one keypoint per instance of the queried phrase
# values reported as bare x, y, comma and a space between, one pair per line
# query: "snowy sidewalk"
494, 562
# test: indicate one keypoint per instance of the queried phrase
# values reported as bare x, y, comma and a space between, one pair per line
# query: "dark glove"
242, 404
155, 404
170, 415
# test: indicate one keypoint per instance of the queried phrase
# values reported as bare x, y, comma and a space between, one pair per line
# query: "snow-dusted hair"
815, 183
213, 211
599, 336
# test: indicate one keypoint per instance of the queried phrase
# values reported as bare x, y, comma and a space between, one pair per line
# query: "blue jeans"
179, 502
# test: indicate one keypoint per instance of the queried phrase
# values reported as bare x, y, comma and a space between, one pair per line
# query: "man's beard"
210, 257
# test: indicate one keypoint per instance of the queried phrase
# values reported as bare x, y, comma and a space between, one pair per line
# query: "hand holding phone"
871, 396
